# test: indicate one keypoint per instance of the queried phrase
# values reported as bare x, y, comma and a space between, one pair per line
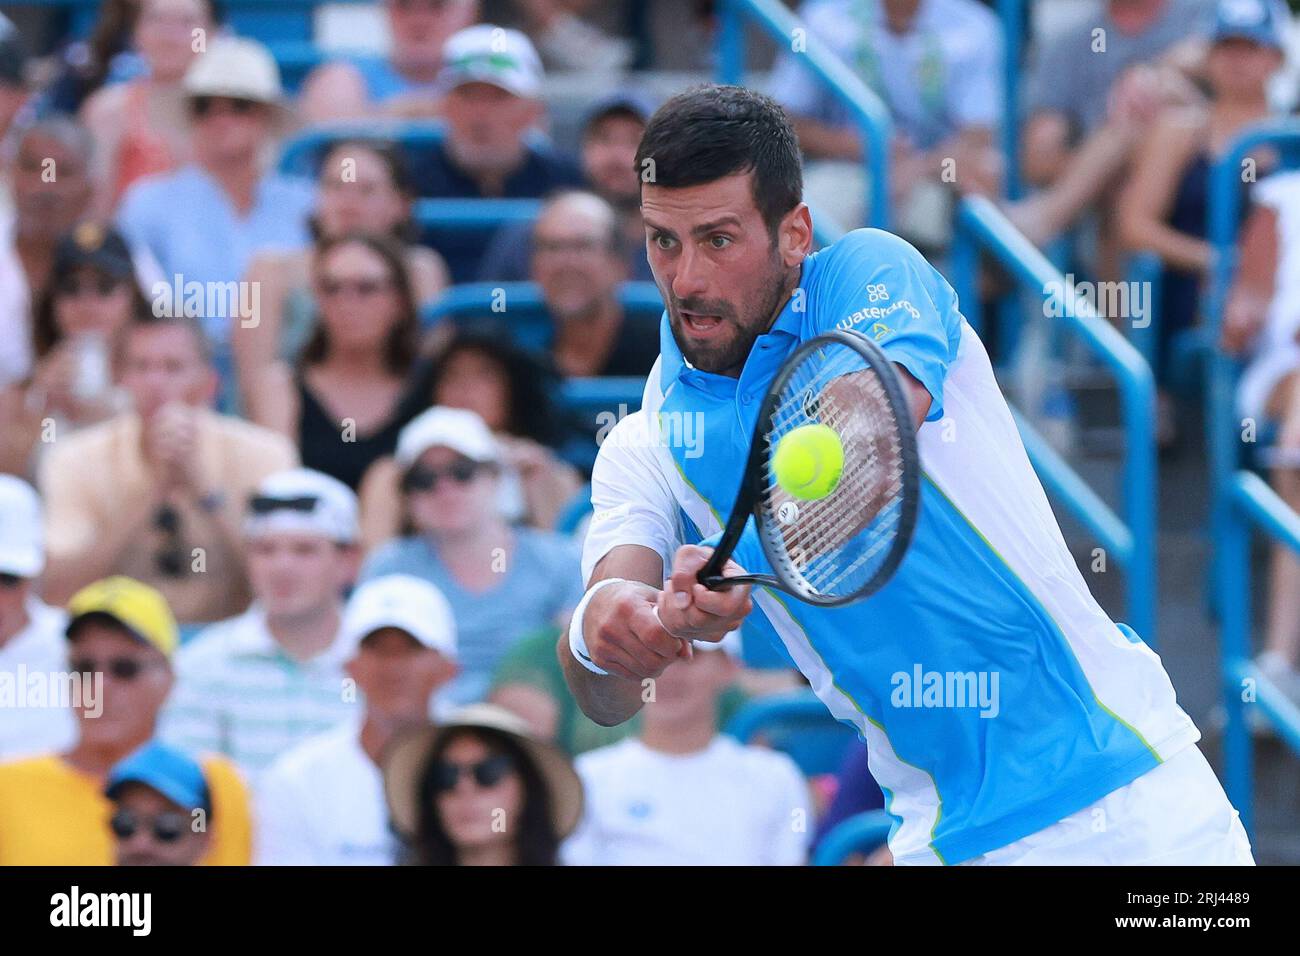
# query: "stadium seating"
798, 725
860, 833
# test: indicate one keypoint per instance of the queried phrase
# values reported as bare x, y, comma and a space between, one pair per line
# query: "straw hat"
407, 758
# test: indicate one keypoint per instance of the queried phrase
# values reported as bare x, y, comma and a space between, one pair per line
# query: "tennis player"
1007, 718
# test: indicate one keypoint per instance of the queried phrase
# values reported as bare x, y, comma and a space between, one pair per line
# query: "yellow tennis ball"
808, 461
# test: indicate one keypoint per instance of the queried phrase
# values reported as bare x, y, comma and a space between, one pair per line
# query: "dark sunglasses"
265, 504
428, 479
121, 668
8, 580
486, 773
170, 559
102, 286
203, 105
166, 827
361, 288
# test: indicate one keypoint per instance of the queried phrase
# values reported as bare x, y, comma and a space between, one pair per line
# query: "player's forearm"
606, 699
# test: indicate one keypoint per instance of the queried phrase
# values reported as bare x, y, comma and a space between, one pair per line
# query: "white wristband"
577, 642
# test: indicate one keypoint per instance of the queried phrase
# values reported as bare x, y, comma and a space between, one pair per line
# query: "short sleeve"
631, 502
879, 285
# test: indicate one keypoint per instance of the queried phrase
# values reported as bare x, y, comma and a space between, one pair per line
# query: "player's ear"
796, 235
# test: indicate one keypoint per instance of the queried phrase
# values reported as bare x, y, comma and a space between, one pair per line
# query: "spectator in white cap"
204, 221
253, 686
403, 83
402, 640
31, 632
680, 793
492, 79
503, 582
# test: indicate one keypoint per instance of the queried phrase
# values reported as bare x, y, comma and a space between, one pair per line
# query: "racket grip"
716, 582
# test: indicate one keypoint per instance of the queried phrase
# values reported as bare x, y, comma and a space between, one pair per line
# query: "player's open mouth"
701, 324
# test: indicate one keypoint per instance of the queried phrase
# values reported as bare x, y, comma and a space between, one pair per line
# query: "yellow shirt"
52, 814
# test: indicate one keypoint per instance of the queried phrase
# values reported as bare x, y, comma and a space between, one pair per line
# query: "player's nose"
690, 279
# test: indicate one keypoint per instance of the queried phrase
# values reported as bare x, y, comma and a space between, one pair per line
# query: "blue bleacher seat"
797, 724
860, 833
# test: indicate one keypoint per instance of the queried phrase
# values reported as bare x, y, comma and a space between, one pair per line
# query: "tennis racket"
845, 546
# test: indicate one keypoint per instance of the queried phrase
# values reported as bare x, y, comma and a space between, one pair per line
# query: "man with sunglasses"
162, 811
31, 632
155, 492
503, 582
402, 648
256, 684
53, 811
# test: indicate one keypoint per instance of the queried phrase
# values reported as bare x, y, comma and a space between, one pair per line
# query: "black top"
435, 176
321, 438
635, 349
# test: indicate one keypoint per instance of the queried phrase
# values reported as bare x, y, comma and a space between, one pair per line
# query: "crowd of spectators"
298, 529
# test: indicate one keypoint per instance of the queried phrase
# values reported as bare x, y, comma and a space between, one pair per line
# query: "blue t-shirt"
995, 695
186, 222
539, 584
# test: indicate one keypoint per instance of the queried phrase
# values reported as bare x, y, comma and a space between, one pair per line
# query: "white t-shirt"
726, 805
322, 804
34, 713
15, 308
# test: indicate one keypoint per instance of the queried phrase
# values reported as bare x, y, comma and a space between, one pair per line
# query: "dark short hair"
710, 131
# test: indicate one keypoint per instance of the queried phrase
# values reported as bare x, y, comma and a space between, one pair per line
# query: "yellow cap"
137, 607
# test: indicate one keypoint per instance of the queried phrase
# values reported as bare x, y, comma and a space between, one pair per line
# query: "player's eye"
720, 242
662, 240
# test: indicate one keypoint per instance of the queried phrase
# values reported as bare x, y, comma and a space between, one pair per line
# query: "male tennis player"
1074, 750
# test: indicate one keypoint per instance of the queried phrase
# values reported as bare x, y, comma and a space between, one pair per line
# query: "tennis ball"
808, 461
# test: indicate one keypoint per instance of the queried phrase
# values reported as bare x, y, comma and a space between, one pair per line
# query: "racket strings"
835, 542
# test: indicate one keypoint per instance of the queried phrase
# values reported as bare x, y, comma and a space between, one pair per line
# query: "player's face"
152, 831
722, 274
297, 575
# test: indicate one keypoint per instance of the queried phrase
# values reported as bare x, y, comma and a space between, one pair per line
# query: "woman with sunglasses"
363, 187
91, 296
142, 126
503, 582
479, 790
359, 380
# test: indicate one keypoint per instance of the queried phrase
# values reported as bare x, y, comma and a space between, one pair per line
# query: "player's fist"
690, 610
624, 636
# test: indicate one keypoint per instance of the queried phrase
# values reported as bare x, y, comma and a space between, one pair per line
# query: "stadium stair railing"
798, 725
868, 112
860, 833
1242, 501
1129, 540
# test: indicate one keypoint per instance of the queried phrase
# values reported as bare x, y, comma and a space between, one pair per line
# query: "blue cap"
171, 772
1263, 21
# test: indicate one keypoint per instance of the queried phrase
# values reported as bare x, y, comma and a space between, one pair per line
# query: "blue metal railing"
1012, 13
868, 112
1242, 501
1129, 540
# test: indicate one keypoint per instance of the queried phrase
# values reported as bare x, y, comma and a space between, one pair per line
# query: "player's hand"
625, 637
690, 610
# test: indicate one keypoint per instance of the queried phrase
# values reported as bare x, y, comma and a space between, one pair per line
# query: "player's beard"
728, 353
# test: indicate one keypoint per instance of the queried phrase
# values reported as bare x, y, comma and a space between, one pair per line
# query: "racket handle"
716, 582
